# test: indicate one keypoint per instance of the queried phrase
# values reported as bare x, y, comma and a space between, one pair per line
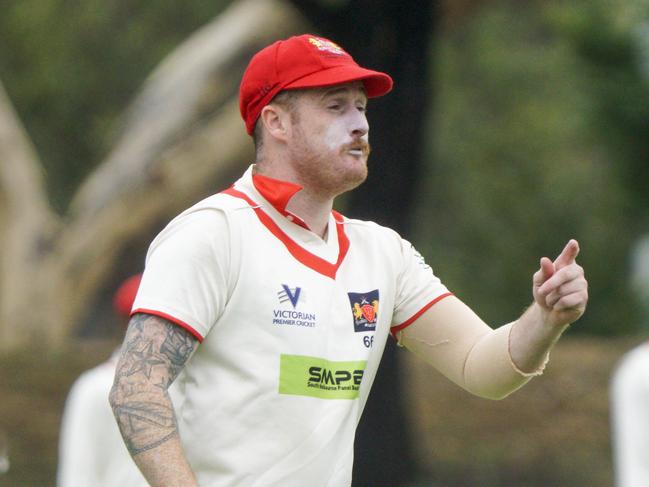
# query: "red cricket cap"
305, 61
125, 295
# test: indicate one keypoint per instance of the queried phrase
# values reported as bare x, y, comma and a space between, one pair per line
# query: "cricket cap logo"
326, 45
365, 310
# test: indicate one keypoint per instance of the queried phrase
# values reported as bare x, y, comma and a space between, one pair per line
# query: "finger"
561, 277
568, 254
572, 301
544, 273
571, 287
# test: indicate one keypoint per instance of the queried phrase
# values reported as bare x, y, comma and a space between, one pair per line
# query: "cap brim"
376, 83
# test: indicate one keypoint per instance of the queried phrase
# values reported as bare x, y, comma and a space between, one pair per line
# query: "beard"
330, 172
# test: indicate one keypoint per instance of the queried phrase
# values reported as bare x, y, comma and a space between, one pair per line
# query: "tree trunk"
26, 226
182, 140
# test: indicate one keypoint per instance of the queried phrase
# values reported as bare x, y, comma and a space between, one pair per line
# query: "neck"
310, 206
313, 210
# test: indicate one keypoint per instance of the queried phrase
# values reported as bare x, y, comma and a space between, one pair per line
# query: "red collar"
278, 193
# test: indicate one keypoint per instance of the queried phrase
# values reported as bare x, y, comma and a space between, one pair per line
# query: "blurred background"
513, 126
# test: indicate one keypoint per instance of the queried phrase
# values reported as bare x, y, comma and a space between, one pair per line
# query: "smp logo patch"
302, 375
365, 310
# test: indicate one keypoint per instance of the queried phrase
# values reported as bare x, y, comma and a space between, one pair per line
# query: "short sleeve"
418, 288
186, 276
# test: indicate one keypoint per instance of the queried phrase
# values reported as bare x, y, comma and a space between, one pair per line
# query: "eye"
362, 108
334, 106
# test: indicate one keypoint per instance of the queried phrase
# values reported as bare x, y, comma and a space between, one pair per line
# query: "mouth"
358, 149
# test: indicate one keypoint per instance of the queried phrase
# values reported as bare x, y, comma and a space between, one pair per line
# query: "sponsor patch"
288, 314
365, 310
301, 375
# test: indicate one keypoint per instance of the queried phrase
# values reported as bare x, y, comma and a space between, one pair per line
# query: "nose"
359, 125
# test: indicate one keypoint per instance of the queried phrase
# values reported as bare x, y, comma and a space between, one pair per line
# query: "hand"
560, 288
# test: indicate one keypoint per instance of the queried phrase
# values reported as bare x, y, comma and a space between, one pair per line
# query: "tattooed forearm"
178, 347
153, 354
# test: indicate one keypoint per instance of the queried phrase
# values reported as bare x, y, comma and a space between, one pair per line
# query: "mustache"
358, 145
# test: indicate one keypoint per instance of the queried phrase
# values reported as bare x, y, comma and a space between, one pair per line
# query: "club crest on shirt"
365, 310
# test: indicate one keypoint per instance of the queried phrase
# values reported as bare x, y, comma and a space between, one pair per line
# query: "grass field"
552, 433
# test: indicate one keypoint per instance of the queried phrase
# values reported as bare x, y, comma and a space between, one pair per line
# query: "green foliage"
72, 67
517, 170
611, 38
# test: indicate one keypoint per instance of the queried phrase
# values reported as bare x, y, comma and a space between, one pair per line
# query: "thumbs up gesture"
560, 288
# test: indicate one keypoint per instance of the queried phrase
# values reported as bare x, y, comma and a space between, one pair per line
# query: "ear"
276, 121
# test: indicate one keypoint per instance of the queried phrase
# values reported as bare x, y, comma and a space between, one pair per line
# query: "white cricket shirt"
292, 329
630, 418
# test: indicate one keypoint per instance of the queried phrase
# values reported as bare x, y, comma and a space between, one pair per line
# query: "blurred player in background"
4, 453
630, 418
273, 310
91, 450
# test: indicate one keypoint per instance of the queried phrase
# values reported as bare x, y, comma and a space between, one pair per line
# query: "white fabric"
630, 418
277, 333
91, 450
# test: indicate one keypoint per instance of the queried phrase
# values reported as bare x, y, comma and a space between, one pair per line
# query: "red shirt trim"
299, 253
397, 328
278, 193
167, 317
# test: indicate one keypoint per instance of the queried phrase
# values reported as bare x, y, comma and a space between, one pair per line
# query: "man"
276, 309
91, 450
630, 418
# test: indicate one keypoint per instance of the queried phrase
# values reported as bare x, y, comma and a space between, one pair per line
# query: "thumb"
568, 254
545, 272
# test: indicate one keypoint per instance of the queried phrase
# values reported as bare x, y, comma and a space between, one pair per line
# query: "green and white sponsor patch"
302, 375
